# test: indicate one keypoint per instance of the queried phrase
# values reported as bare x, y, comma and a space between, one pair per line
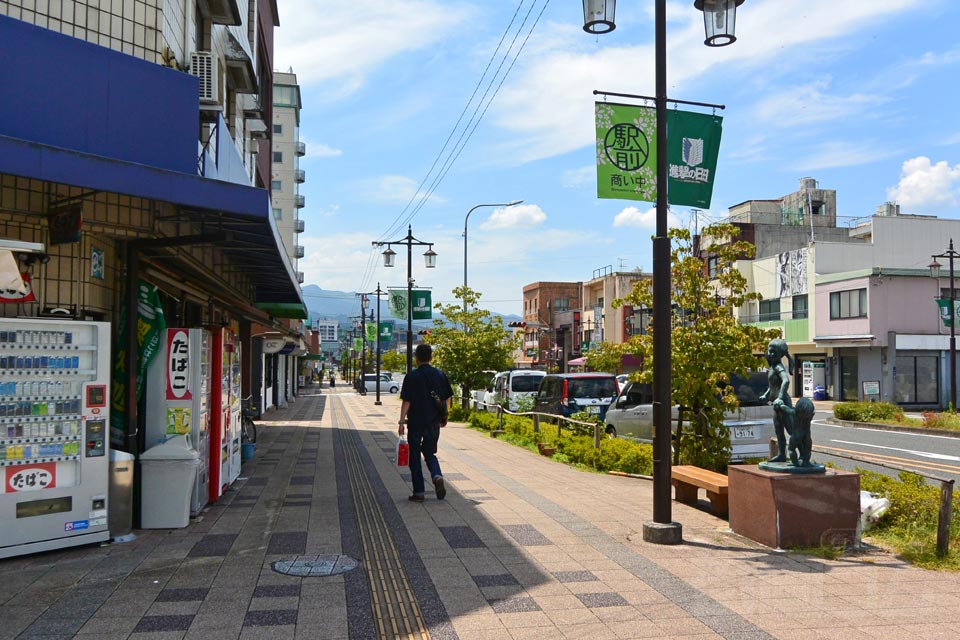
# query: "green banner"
422, 305
370, 330
693, 145
944, 304
626, 152
151, 326
386, 331
358, 344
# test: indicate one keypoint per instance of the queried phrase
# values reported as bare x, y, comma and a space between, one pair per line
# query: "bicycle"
248, 428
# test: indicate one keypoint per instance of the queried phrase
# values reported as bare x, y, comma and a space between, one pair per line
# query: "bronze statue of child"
778, 392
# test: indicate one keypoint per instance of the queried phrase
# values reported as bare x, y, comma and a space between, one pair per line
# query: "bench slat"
709, 480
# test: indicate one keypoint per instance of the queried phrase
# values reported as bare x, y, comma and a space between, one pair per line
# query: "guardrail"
536, 416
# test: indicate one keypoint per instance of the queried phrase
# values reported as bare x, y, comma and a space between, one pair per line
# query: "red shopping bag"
403, 452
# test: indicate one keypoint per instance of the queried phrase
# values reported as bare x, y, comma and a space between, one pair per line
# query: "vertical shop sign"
178, 364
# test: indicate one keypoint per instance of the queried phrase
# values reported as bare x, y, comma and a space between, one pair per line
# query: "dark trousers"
423, 441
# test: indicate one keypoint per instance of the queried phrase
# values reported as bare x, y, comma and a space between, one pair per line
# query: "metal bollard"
536, 423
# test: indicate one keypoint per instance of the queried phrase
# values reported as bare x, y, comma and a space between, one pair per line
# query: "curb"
889, 427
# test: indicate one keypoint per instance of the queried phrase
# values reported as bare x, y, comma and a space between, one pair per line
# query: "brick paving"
522, 547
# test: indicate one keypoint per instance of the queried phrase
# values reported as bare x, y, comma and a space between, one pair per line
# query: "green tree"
469, 340
708, 343
393, 361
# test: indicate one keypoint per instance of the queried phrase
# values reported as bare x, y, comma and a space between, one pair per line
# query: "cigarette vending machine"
54, 425
225, 416
178, 400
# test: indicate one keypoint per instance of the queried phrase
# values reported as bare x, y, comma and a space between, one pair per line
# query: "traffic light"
517, 325
423, 332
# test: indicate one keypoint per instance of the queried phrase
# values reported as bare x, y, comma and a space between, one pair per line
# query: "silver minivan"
751, 425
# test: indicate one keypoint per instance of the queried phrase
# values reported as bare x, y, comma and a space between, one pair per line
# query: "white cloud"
954, 139
547, 106
633, 217
393, 190
521, 215
576, 178
339, 43
830, 155
926, 187
320, 150
808, 104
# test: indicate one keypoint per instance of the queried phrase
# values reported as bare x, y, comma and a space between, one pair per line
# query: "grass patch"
827, 552
909, 527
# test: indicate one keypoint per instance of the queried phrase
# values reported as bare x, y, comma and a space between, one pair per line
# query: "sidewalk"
522, 547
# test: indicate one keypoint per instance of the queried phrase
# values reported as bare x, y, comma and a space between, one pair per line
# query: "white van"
509, 386
751, 425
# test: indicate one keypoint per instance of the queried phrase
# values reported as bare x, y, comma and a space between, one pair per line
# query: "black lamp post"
389, 260
950, 255
719, 21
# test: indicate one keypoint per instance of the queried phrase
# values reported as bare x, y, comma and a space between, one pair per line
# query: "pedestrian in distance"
333, 380
426, 396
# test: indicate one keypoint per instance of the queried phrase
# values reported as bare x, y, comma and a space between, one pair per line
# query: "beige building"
287, 176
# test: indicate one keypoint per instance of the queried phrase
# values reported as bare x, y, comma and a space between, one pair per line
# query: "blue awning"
242, 211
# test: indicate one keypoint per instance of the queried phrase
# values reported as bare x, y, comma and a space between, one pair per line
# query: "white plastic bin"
168, 472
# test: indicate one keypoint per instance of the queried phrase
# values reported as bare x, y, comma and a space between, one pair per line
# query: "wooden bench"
688, 480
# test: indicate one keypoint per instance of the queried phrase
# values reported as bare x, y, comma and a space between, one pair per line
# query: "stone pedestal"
784, 510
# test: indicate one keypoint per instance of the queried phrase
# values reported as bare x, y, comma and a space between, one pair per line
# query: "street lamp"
950, 255
719, 22
389, 260
465, 220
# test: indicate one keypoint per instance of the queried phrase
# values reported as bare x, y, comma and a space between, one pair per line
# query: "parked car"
750, 426
509, 387
478, 396
386, 384
565, 394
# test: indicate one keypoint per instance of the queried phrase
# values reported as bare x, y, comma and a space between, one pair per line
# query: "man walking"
426, 395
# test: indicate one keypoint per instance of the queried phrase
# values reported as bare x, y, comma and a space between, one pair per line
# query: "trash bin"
120, 496
168, 472
819, 393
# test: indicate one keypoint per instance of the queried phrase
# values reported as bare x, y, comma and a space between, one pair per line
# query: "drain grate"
316, 566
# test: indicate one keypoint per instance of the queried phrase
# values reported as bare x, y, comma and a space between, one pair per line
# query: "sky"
415, 111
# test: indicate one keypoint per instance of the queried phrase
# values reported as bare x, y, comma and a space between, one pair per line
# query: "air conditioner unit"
300, 277
203, 66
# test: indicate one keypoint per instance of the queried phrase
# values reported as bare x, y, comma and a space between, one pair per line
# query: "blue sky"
861, 95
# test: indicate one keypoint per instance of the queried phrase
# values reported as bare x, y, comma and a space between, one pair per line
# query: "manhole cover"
322, 565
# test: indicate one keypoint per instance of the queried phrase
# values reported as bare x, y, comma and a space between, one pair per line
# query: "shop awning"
242, 211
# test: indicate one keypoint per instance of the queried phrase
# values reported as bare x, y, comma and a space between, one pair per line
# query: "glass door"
849, 378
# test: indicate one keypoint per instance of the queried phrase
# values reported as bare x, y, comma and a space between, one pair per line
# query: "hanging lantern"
430, 258
389, 257
719, 20
598, 16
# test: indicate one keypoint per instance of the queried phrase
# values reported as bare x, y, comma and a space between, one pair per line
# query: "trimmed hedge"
615, 454
867, 411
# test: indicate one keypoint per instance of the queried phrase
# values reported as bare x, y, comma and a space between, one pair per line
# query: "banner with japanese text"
693, 144
627, 154
944, 304
422, 304
386, 331
370, 332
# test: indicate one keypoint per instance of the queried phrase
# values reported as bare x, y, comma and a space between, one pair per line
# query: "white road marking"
920, 454
900, 433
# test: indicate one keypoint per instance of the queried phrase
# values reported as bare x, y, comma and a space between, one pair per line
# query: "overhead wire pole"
377, 292
465, 220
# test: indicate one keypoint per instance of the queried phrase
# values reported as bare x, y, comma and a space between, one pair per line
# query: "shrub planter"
546, 449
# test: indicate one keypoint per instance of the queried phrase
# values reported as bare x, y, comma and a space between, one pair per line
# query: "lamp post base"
377, 402
663, 533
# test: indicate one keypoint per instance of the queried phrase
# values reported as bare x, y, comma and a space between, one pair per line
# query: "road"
925, 453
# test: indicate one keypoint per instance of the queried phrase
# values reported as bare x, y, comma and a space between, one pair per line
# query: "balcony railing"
301, 148
300, 201
299, 226
298, 251
774, 317
300, 175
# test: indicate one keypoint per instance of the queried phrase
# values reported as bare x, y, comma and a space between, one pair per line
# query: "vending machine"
813, 376
179, 399
225, 416
54, 425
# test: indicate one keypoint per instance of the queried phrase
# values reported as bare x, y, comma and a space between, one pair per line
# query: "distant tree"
708, 343
393, 361
469, 342
606, 356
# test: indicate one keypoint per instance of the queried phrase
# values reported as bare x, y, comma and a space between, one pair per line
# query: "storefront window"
917, 380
